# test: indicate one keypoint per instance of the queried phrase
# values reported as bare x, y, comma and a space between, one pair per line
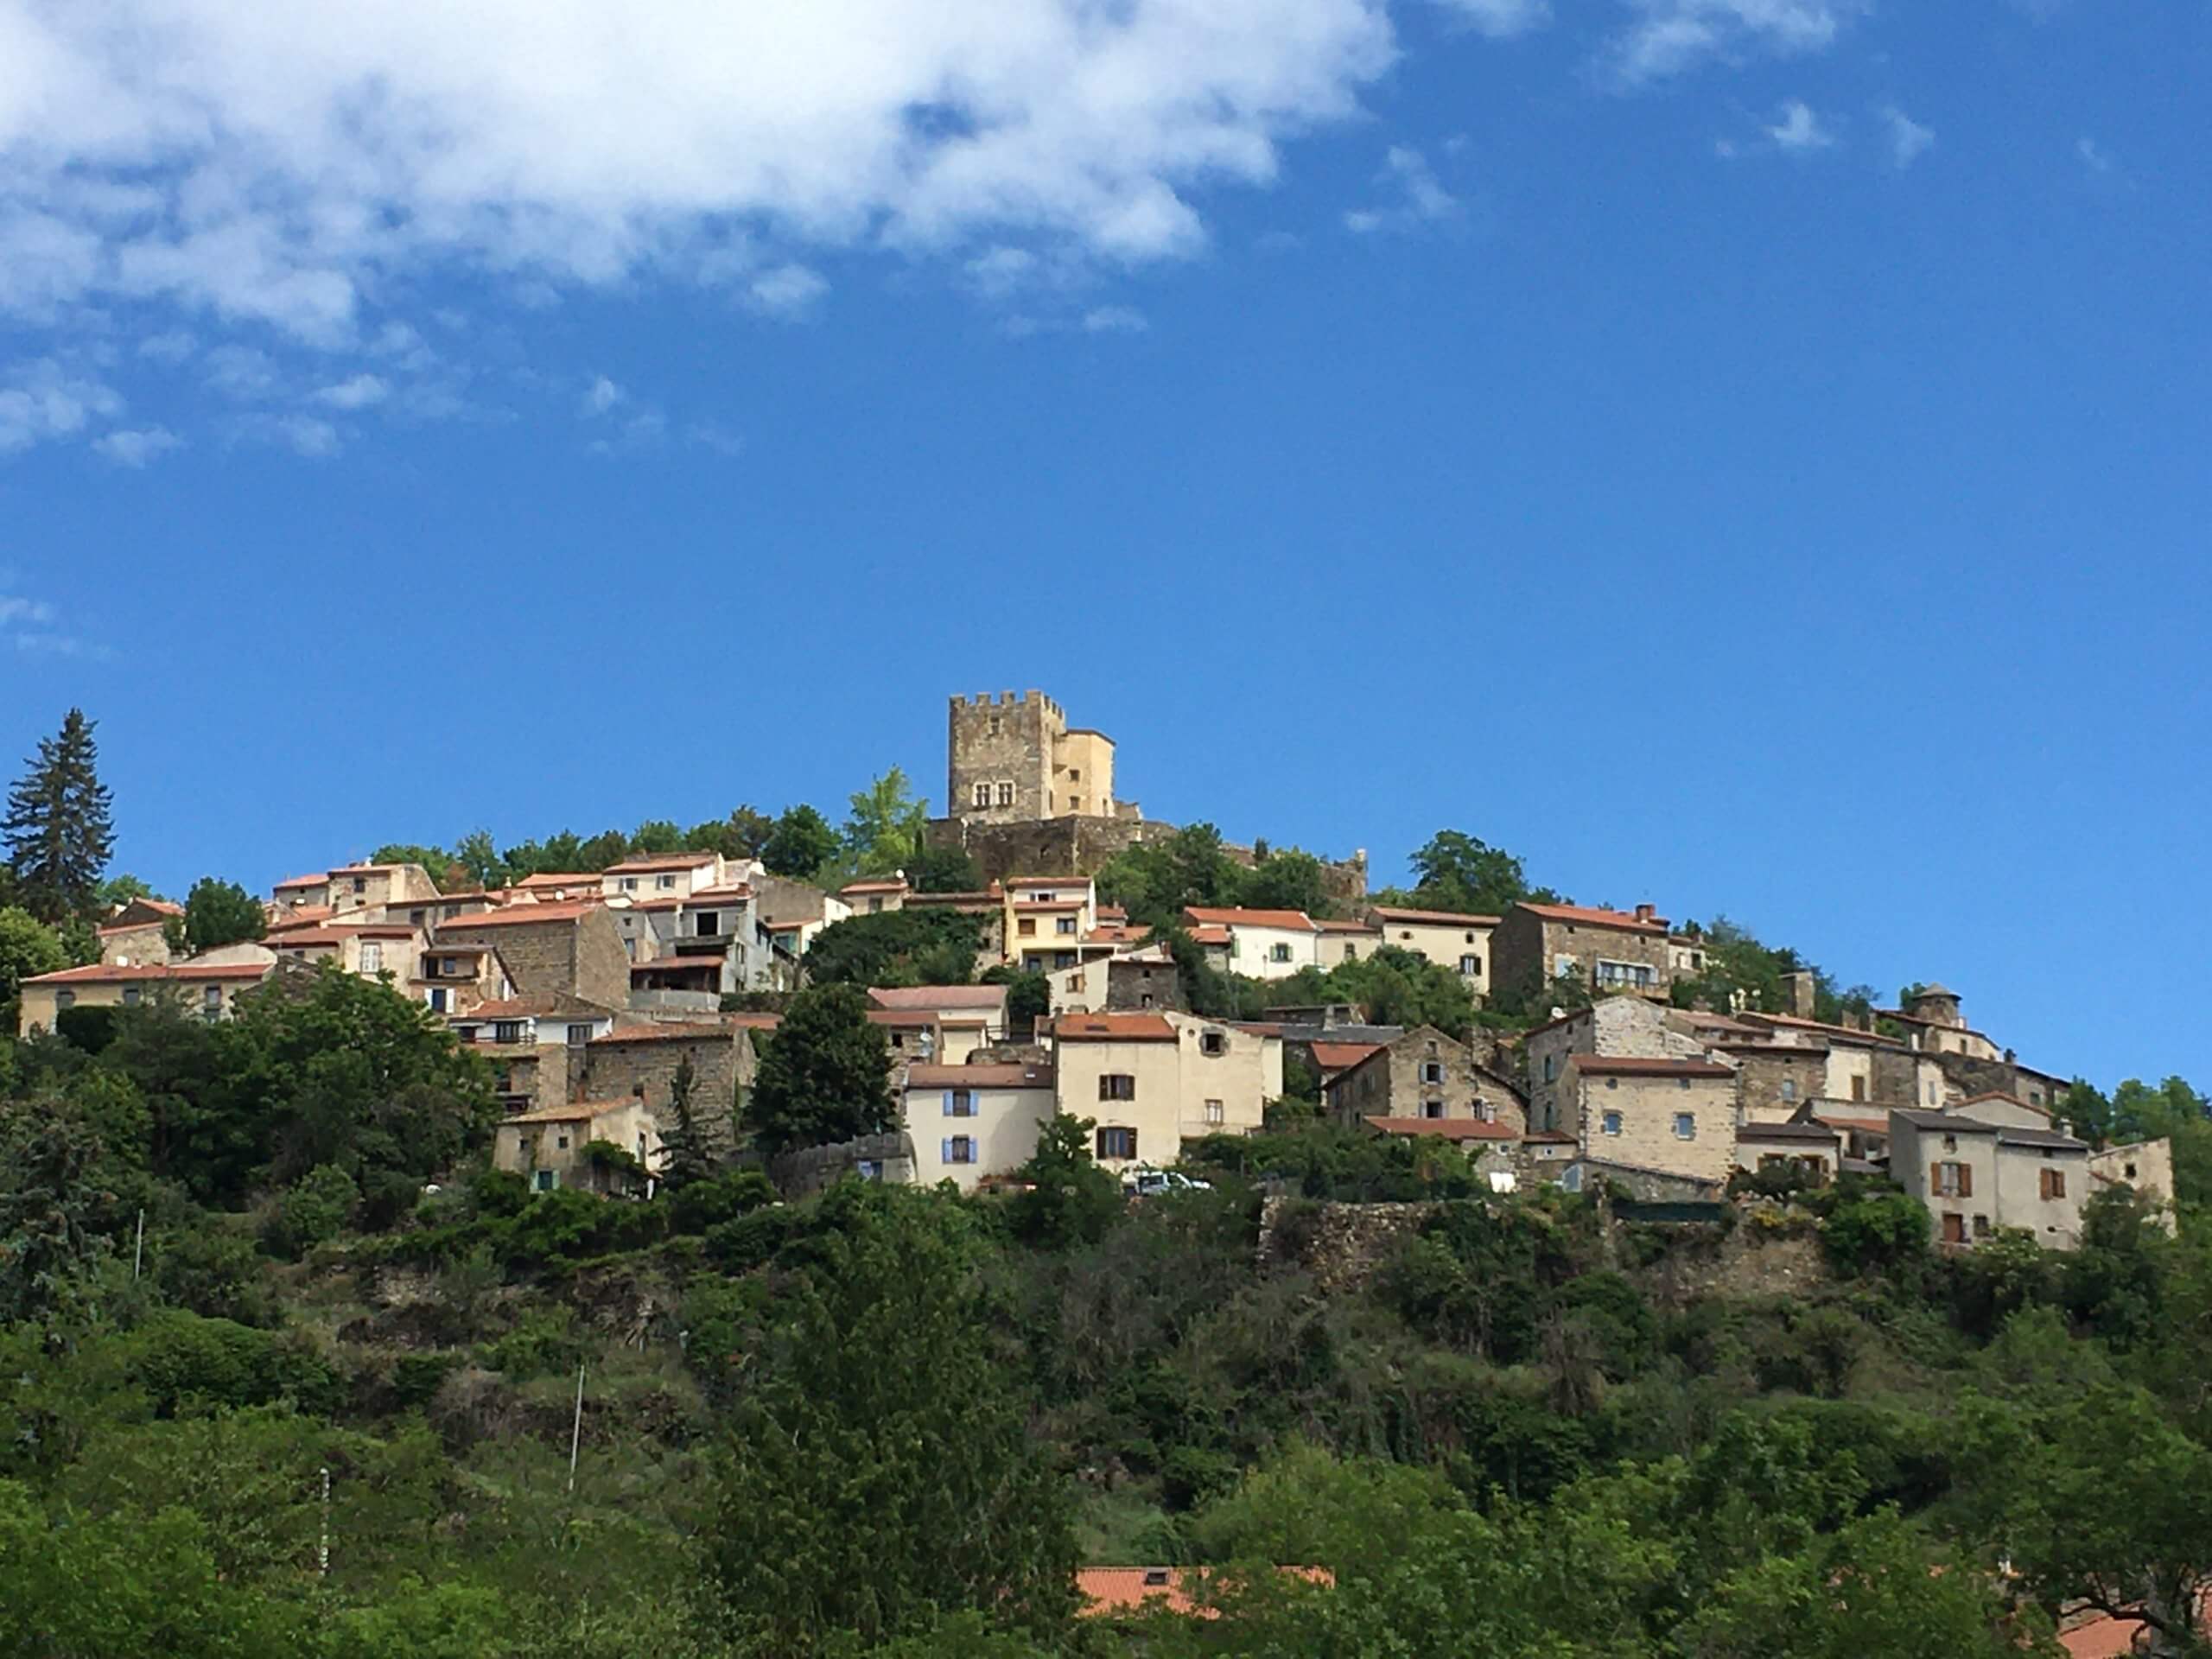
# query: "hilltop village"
599, 997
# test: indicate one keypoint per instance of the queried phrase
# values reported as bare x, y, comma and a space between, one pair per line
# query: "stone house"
875, 897
2147, 1166
671, 876
1151, 1080
1014, 759
535, 1045
368, 952
1674, 1117
1621, 1028
641, 1062
1810, 1148
210, 987
138, 931
570, 949
459, 977
1260, 944
970, 1122
1133, 982
1459, 944
960, 1019
1774, 1080
1049, 921
1863, 1068
1976, 1177
375, 887
545, 1144
300, 893
1420, 1074
1604, 949
428, 912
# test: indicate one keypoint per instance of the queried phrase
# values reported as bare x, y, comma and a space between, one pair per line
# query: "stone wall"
1770, 1251
1771, 1083
619, 1065
1341, 1245
811, 1169
1969, 1077
1075, 845
992, 740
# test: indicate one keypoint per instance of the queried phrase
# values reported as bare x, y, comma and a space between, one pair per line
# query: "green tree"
1028, 998
884, 830
686, 1155
1455, 872
1154, 880
801, 844
881, 1473
50, 1185
925, 945
1288, 880
476, 853
944, 869
119, 890
1067, 1199
57, 827
654, 838
826, 1075
27, 948
218, 913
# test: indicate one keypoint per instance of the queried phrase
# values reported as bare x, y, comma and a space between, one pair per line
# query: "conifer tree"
58, 831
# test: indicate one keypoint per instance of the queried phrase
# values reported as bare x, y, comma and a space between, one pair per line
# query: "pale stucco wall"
1004, 1128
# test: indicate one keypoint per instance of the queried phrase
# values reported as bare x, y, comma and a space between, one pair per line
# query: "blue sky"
1747, 455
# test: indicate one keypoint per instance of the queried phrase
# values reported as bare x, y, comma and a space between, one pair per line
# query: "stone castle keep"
1014, 758
1027, 794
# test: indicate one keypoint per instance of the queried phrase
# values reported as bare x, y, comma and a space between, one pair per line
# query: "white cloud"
786, 290
243, 373
1908, 140
1113, 319
305, 435
171, 348
30, 626
602, 396
1502, 17
358, 392
287, 163
1670, 36
997, 272
136, 448
15, 610
1420, 199
45, 399
713, 435
1800, 130
2094, 155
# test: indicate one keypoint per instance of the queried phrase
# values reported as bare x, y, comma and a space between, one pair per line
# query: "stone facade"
628, 1061
1773, 1081
553, 950
1605, 949
1014, 758
1621, 1028
888, 1157
1976, 1178
1673, 1117
1082, 845
1968, 1075
1425, 1074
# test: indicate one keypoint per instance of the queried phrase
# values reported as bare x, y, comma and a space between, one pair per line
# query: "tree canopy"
825, 1074
218, 913
57, 827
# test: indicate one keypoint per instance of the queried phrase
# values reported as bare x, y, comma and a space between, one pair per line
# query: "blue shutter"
947, 1102
944, 1150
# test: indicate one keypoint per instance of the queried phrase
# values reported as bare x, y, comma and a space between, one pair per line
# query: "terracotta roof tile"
516, 916
1603, 1065
1342, 1057
939, 996
1296, 921
1432, 918
979, 1076
105, 973
1111, 1028
1590, 916
1443, 1129
648, 862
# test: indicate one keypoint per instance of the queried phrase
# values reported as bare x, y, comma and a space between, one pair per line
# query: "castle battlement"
1003, 700
1010, 759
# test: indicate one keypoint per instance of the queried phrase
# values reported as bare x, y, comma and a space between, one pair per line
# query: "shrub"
313, 1210
182, 1360
698, 1207
1876, 1231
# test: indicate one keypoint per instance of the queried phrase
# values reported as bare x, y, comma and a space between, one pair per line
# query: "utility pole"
138, 1250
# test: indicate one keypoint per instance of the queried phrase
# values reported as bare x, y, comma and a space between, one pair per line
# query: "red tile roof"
735, 890
1443, 1129
1589, 916
1210, 936
515, 916
301, 881
939, 996
1604, 1066
648, 862
1111, 1028
579, 1111
979, 1076
1433, 918
1296, 921
114, 928
107, 973
1107, 1590
557, 878
872, 887
915, 1018
1342, 1057
1863, 1125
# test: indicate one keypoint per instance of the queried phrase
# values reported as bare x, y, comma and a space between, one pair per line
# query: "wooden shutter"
1934, 1177
1966, 1180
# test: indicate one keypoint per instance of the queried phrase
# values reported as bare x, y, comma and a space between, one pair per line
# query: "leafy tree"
50, 1179
881, 1472
885, 831
1288, 880
944, 869
1876, 1229
1456, 872
686, 1155
923, 946
801, 844
826, 1075
1068, 1200
119, 890
436, 860
476, 853
655, 837
27, 948
1028, 998
313, 1210
218, 913
1156, 880
740, 835
58, 827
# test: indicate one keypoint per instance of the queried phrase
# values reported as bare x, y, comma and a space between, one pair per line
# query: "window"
1483, 1110
507, 1031
1952, 1179
1612, 1083
959, 1149
1431, 1109
1278, 953
1635, 974
561, 1141
360, 884
1074, 777
1432, 1070
1611, 1123
663, 881
1789, 1088
1064, 925
2054, 1182
982, 795
1215, 1111
65, 999
371, 957
547, 1181
579, 1035
1063, 958
1116, 1085
629, 884
959, 1103
1005, 794
1931, 1094
1858, 1088
994, 725
1026, 927
212, 1000
1551, 1068
1471, 966
1562, 965
1116, 1143
1955, 1228
709, 924
1351, 951
1981, 1227
1213, 1044
131, 995
415, 916
1470, 936
437, 999
1685, 1126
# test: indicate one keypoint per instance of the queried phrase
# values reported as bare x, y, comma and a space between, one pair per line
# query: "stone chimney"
1799, 988
1646, 912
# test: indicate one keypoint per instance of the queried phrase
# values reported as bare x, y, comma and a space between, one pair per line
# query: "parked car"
1151, 1183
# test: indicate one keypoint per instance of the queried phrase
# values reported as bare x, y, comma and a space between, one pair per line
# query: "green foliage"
801, 844
313, 1210
936, 868
58, 829
687, 1149
27, 948
1876, 1230
1455, 872
1067, 1199
185, 1362
51, 1223
826, 1075
1155, 879
218, 913
1392, 987
1028, 998
881, 1473
885, 829
927, 946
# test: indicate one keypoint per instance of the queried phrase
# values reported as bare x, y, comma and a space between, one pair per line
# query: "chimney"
1645, 912
1799, 989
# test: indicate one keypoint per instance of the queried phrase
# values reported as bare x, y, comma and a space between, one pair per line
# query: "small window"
1351, 951
1432, 1070
663, 881
1681, 1082
1471, 966
629, 884
1116, 1085
371, 957
212, 1000
547, 1181
1213, 1044
961, 1102
507, 1031
2054, 1182
1074, 777
1026, 927
131, 996
1431, 1109
1120, 1144
1612, 1083
65, 998
1215, 1111
437, 999
1612, 1121
1551, 1068
960, 1149
1064, 925
416, 916
360, 884
1278, 953
579, 1035
1789, 1088
994, 725
1981, 1227
1685, 1126
561, 1141
1005, 794
709, 924
982, 795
